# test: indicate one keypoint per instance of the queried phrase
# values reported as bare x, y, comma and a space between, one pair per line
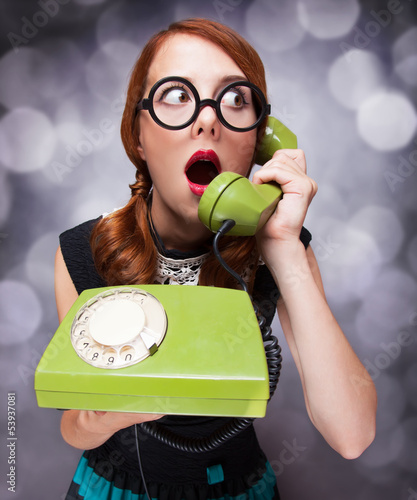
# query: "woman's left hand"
288, 169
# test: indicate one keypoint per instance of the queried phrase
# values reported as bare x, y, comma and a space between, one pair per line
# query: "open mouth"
201, 169
202, 172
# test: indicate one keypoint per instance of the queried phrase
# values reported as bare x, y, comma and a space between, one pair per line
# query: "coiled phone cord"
236, 425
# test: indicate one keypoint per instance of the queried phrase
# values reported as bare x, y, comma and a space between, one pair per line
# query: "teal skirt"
88, 484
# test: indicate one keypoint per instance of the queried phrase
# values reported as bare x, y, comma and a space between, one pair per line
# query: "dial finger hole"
94, 353
80, 331
127, 353
83, 344
140, 298
84, 316
109, 357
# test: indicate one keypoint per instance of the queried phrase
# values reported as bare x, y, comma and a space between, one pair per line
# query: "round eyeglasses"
174, 104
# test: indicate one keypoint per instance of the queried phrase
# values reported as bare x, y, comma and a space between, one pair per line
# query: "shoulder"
78, 233
78, 257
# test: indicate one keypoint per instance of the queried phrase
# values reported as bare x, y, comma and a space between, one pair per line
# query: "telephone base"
211, 361
163, 406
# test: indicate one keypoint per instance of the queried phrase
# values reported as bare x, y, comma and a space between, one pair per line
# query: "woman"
177, 156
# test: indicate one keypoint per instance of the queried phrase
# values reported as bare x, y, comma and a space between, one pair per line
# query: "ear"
141, 152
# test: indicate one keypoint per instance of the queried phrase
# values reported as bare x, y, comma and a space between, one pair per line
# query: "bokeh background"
343, 76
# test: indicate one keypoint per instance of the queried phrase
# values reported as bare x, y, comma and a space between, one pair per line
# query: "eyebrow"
234, 78
224, 80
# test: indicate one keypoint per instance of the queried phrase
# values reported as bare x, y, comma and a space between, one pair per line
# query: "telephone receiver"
232, 196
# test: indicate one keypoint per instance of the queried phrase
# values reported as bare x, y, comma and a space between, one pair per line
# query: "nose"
207, 120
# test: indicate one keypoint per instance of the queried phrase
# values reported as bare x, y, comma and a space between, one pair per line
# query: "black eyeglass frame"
147, 104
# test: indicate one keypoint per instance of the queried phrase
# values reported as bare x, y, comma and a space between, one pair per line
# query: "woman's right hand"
85, 429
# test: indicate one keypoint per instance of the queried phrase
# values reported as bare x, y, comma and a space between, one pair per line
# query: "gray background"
343, 76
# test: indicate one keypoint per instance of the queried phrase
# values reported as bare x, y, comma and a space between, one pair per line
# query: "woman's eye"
233, 98
175, 96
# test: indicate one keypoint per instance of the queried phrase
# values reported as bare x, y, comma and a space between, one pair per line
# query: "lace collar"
178, 271
174, 267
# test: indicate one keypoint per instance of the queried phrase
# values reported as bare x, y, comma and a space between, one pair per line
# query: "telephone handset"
232, 196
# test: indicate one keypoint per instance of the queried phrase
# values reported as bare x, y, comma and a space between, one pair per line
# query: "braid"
143, 184
122, 245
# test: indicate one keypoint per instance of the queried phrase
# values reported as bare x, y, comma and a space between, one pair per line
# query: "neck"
178, 232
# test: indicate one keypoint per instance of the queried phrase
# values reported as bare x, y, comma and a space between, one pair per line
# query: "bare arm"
79, 428
339, 393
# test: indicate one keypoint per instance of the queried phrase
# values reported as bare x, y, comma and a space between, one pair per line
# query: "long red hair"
123, 248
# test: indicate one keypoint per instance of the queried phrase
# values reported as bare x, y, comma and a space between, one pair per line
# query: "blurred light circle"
405, 45
330, 196
386, 448
371, 334
69, 111
384, 226
6, 196
408, 458
108, 69
40, 262
113, 179
326, 19
274, 26
69, 132
22, 89
8, 367
392, 396
385, 309
387, 121
61, 72
355, 76
412, 254
121, 50
290, 103
132, 21
41, 77
404, 53
410, 382
407, 70
20, 312
81, 140
16, 366
86, 207
349, 259
29, 140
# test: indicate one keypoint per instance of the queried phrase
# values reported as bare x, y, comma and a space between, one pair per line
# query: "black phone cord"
235, 425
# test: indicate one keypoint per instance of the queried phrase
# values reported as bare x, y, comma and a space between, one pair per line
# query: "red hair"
122, 245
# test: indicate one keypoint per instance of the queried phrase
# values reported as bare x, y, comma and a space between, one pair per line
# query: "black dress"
111, 471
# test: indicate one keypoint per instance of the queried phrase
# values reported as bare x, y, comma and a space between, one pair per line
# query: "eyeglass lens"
175, 103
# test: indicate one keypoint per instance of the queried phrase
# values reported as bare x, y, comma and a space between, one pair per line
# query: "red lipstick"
201, 169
